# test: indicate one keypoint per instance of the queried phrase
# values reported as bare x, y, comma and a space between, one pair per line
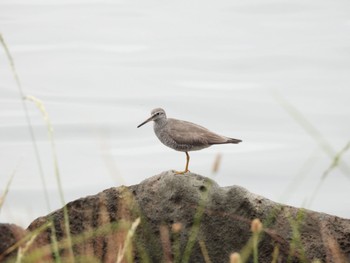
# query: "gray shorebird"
184, 136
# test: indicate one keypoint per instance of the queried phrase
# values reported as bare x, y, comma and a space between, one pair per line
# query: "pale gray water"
101, 66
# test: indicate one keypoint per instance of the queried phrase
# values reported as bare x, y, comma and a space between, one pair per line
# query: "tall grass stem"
30, 127
330, 168
311, 130
40, 105
7, 188
193, 233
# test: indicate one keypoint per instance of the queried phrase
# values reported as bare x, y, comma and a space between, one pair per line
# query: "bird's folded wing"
189, 133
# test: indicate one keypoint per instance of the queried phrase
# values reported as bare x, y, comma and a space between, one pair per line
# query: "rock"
10, 234
188, 218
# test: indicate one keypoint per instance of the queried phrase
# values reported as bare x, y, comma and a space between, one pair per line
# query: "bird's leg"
187, 162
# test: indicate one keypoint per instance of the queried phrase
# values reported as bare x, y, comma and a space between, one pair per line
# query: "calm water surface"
101, 66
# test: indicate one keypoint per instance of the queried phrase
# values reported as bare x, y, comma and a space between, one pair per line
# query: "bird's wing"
183, 132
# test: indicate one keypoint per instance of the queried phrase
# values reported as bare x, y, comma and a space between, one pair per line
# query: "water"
101, 66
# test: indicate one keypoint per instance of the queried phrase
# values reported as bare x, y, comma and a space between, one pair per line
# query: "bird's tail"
231, 140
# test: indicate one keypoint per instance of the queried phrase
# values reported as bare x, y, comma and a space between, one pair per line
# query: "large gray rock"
187, 218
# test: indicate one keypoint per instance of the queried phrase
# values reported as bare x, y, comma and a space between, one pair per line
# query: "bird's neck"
160, 123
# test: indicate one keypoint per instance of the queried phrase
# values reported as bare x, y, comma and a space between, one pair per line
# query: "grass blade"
325, 174
40, 105
7, 188
31, 131
127, 241
311, 130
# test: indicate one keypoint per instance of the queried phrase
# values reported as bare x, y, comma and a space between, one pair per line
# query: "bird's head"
156, 115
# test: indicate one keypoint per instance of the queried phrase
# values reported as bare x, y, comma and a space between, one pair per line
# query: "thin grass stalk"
216, 164
334, 252
176, 230
204, 251
296, 246
193, 233
196, 224
130, 234
299, 177
256, 228
247, 250
24, 240
22, 250
54, 244
311, 130
30, 127
332, 166
7, 188
166, 243
275, 254
107, 157
255, 247
251, 247
40, 105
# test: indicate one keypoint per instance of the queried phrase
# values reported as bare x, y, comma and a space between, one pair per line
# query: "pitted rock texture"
10, 234
182, 216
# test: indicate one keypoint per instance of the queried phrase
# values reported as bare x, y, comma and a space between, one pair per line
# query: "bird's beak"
148, 120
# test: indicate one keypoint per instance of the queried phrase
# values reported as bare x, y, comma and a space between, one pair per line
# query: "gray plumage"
184, 136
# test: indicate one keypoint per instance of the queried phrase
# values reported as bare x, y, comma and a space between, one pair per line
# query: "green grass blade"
332, 166
7, 188
311, 130
193, 233
31, 131
40, 105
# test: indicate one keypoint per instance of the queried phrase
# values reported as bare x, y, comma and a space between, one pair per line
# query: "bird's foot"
182, 172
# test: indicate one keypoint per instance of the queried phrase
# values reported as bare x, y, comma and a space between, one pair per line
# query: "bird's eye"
158, 113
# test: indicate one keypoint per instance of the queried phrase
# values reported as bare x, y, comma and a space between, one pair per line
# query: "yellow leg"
187, 162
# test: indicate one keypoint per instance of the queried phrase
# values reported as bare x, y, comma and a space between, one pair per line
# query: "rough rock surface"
10, 234
187, 218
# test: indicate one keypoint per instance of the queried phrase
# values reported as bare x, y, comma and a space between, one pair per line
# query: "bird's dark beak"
148, 120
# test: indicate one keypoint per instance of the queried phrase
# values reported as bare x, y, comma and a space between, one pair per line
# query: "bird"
184, 136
